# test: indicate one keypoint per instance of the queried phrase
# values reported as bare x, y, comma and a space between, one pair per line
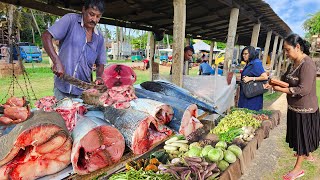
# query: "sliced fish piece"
185, 115
97, 144
140, 130
162, 112
35, 148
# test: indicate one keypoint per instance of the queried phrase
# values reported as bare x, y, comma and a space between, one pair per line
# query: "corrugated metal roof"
207, 19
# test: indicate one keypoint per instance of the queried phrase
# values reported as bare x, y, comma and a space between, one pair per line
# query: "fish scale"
169, 89
128, 120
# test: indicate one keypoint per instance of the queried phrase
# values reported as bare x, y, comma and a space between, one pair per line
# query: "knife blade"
81, 84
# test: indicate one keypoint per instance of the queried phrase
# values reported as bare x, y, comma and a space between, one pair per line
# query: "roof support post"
266, 49
179, 25
211, 52
154, 70
274, 50
280, 55
231, 38
255, 35
186, 63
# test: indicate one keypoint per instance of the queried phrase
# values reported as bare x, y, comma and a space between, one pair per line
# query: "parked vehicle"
28, 52
137, 55
165, 54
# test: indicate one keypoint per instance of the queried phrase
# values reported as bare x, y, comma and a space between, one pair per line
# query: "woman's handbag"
253, 88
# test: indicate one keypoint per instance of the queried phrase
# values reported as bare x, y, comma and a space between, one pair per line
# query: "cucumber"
183, 141
180, 145
170, 148
173, 139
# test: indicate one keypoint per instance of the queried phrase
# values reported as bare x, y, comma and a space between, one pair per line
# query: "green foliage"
139, 42
312, 25
221, 45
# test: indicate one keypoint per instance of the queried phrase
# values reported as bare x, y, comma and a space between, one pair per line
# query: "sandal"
310, 159
291, 176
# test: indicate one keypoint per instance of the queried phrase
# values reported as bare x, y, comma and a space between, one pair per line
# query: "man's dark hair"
189, 48
99, 4
253, 54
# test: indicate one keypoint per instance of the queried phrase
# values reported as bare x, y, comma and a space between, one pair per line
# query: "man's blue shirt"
76, 54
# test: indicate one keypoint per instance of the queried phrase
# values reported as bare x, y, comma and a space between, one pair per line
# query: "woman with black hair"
253, 71
303, 117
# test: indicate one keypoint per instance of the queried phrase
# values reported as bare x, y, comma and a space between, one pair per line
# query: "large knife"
83, 85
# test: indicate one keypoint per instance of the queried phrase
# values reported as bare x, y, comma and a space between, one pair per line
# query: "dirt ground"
266, 160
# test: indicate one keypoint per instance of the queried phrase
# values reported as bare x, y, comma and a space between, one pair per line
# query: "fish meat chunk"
185, 113
96, 145
140, 130
162, 112
35, 148
118, 75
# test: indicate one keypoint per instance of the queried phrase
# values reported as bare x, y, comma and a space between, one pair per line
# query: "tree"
312, 25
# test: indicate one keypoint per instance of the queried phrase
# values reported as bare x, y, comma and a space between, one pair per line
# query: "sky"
292, 12
295, 12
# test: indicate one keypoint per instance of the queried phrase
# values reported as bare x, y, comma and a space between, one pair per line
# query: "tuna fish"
163, 113
172, 90
140, 130
35, 148
96, 145
184, 120
118, 75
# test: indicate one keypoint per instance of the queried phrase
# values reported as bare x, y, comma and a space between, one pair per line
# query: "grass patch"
270, 97
286, 163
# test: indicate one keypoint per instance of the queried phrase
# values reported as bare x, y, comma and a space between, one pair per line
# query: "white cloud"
294, 12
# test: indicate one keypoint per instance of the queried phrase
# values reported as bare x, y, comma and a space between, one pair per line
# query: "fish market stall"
210, 156
156, 130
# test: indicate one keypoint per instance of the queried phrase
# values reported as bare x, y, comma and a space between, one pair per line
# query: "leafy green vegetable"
236, 119
140, 175
262, 111
230, 135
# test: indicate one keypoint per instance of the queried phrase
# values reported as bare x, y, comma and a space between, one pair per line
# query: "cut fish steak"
162, 112
140, 130
118, 75
97, 144
35, 148
185, 113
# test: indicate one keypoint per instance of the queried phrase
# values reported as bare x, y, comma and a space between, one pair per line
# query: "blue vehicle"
28, 52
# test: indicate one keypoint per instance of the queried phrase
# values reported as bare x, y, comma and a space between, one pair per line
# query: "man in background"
188, 51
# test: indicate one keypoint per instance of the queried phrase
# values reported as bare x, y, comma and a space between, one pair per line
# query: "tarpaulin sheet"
214, 89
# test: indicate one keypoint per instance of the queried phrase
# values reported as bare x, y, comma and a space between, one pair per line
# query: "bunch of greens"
230, 135
140, 175
237, 119
262, 111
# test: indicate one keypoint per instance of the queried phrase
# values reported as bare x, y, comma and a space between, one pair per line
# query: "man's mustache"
92, 22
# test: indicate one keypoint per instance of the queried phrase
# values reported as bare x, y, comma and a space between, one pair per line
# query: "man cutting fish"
81, 46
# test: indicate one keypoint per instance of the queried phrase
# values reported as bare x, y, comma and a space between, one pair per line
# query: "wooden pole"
266, 49
148, 45
186, 63
231, 39
274, 50
211, 52
280, 57
179, 24
255, 35
153, 70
